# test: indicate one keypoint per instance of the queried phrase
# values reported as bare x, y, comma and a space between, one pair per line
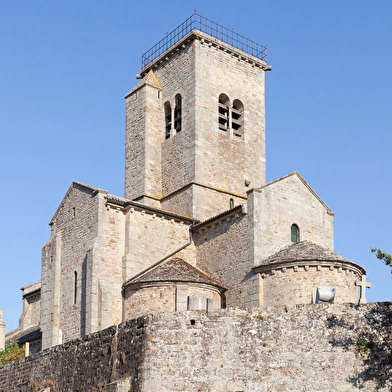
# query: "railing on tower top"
198, 22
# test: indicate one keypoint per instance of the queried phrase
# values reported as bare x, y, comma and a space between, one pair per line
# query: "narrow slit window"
168, 120
231, 203
294, 233
178, 114
223, 112
75, 287
237, 118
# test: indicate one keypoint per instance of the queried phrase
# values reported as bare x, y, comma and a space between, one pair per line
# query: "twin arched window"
173, 117
231, 117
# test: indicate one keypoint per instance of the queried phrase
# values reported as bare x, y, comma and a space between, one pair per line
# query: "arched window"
237, 118
223, 112
168, 119
75, 287
294, 233
231, 203
178, 114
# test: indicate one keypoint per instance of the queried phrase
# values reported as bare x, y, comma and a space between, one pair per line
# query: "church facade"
198, 226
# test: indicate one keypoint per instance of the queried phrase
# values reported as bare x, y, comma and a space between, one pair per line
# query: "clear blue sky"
66, 66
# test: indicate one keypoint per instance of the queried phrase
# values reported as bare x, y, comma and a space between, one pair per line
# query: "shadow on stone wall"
371, 340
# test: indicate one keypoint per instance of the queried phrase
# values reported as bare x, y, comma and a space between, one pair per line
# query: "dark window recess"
223, 112
75, 287
294, 233
178, 114
168, 120
237, 118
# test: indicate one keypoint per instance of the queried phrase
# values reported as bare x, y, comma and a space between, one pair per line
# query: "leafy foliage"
384, 256
11, 353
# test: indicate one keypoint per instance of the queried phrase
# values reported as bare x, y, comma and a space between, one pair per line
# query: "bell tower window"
168, 120
223, 112
178, 114
237, 118
294, 233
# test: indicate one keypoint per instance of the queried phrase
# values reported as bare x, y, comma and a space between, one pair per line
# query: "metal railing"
198, 22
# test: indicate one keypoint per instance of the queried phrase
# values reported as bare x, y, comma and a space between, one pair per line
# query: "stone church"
198, 226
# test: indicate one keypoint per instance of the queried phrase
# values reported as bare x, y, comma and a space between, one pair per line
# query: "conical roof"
176, 270
303, 251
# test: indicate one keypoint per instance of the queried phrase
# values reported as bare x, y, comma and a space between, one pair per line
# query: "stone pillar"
2, 331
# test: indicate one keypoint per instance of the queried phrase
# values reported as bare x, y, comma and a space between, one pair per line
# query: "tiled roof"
302, 251
219, 216
176, 270
31, 333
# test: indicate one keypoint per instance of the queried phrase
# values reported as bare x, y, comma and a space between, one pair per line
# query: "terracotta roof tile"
176, 270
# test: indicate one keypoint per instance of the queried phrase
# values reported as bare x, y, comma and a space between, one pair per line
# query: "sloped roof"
149, 79
303, 251
31, 333
175, 270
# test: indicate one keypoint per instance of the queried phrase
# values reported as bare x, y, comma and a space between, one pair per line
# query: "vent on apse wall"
325, 294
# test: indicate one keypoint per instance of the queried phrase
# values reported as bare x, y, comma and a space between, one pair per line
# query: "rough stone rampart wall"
318, 348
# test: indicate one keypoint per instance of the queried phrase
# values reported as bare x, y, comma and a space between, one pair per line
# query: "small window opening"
75, 287
178, 114
193, 322
237, 118
51, 259
223, 112
168, 120
294, 233
159, 94
231, 203
73, 212
51, 317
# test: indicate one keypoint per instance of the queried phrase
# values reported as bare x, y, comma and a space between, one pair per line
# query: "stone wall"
318, 348
73, 230
167, 297
223, 252
149, 237
280, 204
298, 285
223, 160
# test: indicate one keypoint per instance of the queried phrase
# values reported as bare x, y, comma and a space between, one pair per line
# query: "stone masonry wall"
223, 160
162, 298
178, 152
223, 252
74, 228
318, 348
275, 207
300, 286
149, 237
135, 153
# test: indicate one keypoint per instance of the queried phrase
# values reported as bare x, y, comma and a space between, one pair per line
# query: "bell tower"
195, 123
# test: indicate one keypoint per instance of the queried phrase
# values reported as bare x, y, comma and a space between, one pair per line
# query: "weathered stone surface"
287, 348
